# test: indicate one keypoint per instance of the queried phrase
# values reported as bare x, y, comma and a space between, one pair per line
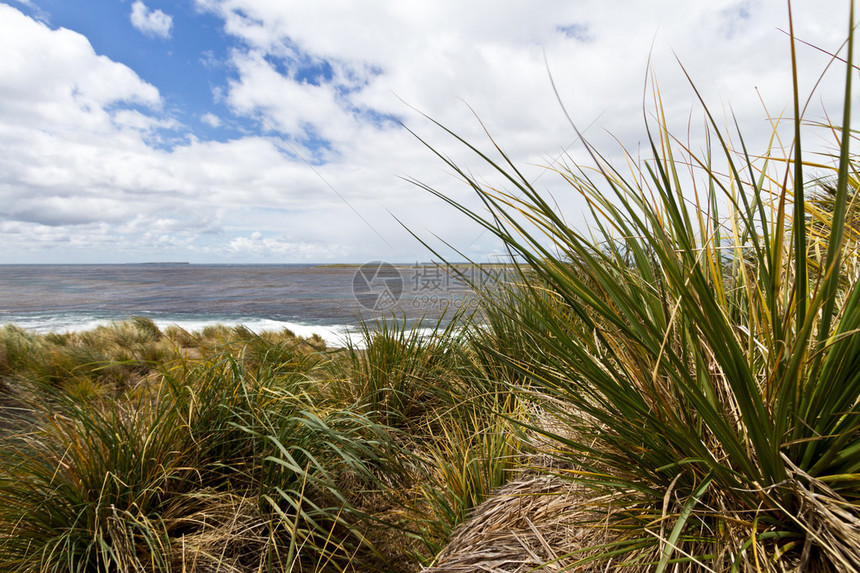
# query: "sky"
279, 131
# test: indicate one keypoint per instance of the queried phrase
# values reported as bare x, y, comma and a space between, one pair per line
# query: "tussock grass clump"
110, 356
224, 462
234, 451
82, 490
419, 383
696, 352
471, 455
121, 355
532, 522
400, 374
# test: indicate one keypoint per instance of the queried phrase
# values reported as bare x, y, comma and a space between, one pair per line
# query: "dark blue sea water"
323, 299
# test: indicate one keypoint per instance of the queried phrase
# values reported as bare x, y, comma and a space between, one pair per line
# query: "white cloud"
53, 78
150, 22
256, 245
494, 60
83, 175
210, 119
441, 56
74, 153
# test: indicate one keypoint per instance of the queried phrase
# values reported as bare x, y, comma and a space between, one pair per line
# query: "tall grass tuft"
221, 462
84, 488
471, 455
400, 374
697, 349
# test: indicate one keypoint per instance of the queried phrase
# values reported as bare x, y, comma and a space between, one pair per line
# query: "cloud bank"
98, 166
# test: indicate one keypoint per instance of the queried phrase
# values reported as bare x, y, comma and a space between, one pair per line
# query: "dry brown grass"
536, 521
224, 533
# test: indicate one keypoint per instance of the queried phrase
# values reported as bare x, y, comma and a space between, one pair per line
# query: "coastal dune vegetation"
128, 448
675, 389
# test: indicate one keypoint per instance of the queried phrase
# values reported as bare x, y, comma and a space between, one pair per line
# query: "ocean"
328, 300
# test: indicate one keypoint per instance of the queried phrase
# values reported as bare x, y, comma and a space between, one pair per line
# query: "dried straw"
535, 521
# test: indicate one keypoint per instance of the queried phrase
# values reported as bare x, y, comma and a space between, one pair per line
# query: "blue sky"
172, 62
268, 131
186, 59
